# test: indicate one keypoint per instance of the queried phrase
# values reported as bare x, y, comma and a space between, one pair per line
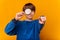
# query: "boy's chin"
30, 17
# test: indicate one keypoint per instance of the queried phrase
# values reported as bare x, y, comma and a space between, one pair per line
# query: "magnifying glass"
27, 11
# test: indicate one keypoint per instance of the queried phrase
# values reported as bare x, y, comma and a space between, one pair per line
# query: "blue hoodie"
25, 30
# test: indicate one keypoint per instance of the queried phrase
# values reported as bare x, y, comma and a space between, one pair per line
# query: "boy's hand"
19, 15
42, 19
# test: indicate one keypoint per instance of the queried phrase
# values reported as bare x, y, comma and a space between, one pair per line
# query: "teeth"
27, 11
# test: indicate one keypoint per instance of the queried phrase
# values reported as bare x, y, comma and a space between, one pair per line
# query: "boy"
28, 29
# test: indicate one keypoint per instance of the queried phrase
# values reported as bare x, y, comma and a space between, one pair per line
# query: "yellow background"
49, 8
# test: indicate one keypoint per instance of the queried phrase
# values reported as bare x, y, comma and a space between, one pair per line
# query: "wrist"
42, 22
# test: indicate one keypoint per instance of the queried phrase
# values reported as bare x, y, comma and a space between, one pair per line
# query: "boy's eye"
27, 11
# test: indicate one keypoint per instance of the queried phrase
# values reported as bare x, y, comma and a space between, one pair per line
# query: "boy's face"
30, 16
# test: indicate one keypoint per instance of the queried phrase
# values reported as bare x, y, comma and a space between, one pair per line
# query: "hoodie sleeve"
11, 27
40, 26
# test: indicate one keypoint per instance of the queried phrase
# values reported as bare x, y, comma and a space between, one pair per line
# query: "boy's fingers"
42, 18
39, 19
20, 14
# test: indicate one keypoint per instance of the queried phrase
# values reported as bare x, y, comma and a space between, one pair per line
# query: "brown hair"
29, 6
